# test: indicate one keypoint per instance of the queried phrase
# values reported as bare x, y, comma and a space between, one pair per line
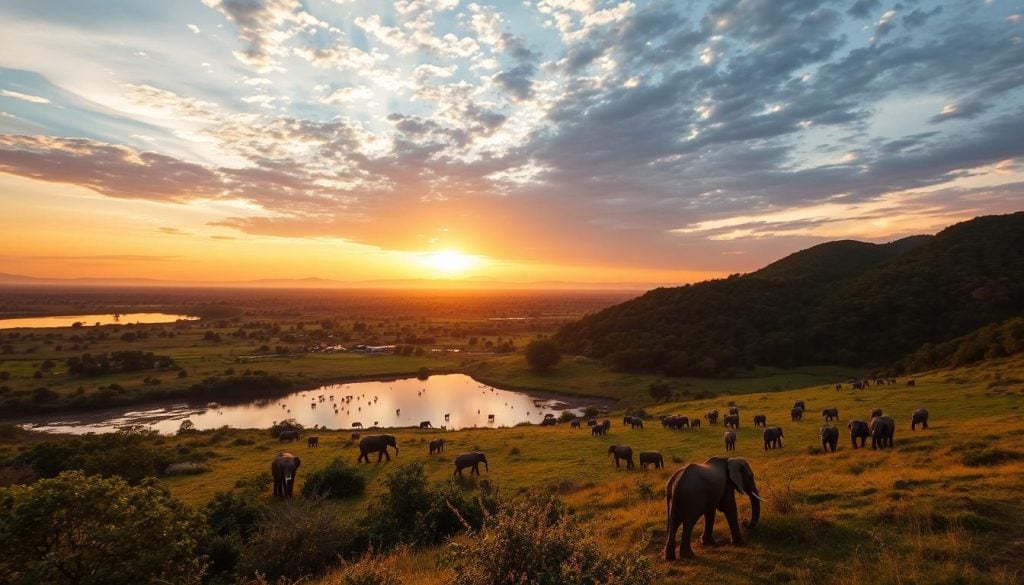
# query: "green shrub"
288, 424
127, 454
336, 480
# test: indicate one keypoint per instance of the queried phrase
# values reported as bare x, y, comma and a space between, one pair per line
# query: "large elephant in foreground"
283, 468
376, 444
699, 490
473, 460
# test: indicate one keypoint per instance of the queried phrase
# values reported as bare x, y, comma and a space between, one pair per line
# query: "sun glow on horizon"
449, 262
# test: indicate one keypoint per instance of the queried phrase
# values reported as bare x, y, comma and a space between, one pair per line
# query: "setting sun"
449, 262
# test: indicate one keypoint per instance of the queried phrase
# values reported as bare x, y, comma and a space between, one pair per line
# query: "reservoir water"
395, 403
88, 320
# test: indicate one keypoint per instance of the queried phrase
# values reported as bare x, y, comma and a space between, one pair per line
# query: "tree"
542, 354
85, 529
659, 390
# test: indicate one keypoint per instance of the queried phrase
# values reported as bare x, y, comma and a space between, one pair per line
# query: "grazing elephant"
627, 420
858, 430
911, 383
699, 490
796, 414
730, 440
283, 468
694, 423
622, 452
436, 446
313, 442
355, 436
920, 417
731, 420
712, 416
800, 404
875, 413
288, 436
549, 422
651, 457
473, 460
760, 420
376, 443
426, 425
830, 414
598, 430
636, 423
575, 424
682, 422
772, 438
882, 430
734, 410
829, 438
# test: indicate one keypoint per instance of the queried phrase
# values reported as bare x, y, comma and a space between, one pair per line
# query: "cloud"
193, 29
23, 96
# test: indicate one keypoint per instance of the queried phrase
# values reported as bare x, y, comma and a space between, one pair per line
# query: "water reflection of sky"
89, 320
397, 403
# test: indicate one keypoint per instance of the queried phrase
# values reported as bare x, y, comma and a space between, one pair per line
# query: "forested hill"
849, 303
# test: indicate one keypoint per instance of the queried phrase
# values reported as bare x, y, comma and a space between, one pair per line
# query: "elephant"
357, 425
734, 410
858, 430
800, 404
376, 443
731, 420
426, 425
549, 422
699, 490
288, 436
875, 413
591, 422
313, 442
598, 430
473, 460
694, 423
622, 452
636, 423
712, 416
760, 420
730, 440
911, 383
651, 458
830, 414
283, 468
919, 417
575, 423
627, 420
772, 438
436, 446
796, 414
829, 438
882, 430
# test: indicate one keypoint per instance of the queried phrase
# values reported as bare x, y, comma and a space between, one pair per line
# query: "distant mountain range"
312, 282
846, 302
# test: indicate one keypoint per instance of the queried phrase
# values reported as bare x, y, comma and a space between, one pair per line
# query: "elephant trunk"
755, 509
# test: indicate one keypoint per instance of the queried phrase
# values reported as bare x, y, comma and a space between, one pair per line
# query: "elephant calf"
772, 438
730, 440
830, 414
436, 446
858, 430
622, 452
920, 417
760, 420
473, 460
651, 457
829, 438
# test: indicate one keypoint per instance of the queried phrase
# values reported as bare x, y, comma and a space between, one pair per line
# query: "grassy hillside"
847, 303
942, 507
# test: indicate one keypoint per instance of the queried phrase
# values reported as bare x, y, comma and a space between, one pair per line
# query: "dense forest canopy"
849, 303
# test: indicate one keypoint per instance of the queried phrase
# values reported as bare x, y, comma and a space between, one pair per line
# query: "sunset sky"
513, 141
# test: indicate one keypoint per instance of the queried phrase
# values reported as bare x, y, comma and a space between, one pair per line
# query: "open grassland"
943, 506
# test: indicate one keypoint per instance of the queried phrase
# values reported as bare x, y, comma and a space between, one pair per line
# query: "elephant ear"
296, 462
736, 466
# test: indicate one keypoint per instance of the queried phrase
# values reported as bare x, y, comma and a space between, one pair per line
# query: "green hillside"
846, 303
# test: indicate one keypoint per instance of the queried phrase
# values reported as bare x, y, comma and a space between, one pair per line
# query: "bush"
537, 541
369, 570
288, 424
336, 480
125, 454
232, 520
85, 529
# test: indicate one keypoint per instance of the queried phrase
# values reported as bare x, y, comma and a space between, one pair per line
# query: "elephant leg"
709, 528
670, 538
387, 455
685, 548
732, 515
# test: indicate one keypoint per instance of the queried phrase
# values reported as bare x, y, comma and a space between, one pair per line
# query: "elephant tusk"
754, 495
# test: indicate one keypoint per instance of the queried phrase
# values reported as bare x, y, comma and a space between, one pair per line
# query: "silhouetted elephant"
376, 444
288, 436
772, 438
622, 452
313, 442
712, 416
858, 430
473, 460
283, 469
426, 425
882, 430
796, 414
598, 430
919, 417
829, 438
730, 440
699, 490
357, 425
800, 404
651, 458
575, 423
627, 420
830, 414
760, 420
636, 423
436, 446
731, 420
549, 422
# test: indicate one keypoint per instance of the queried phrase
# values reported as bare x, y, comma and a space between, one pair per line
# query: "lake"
88, 320
396, 403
